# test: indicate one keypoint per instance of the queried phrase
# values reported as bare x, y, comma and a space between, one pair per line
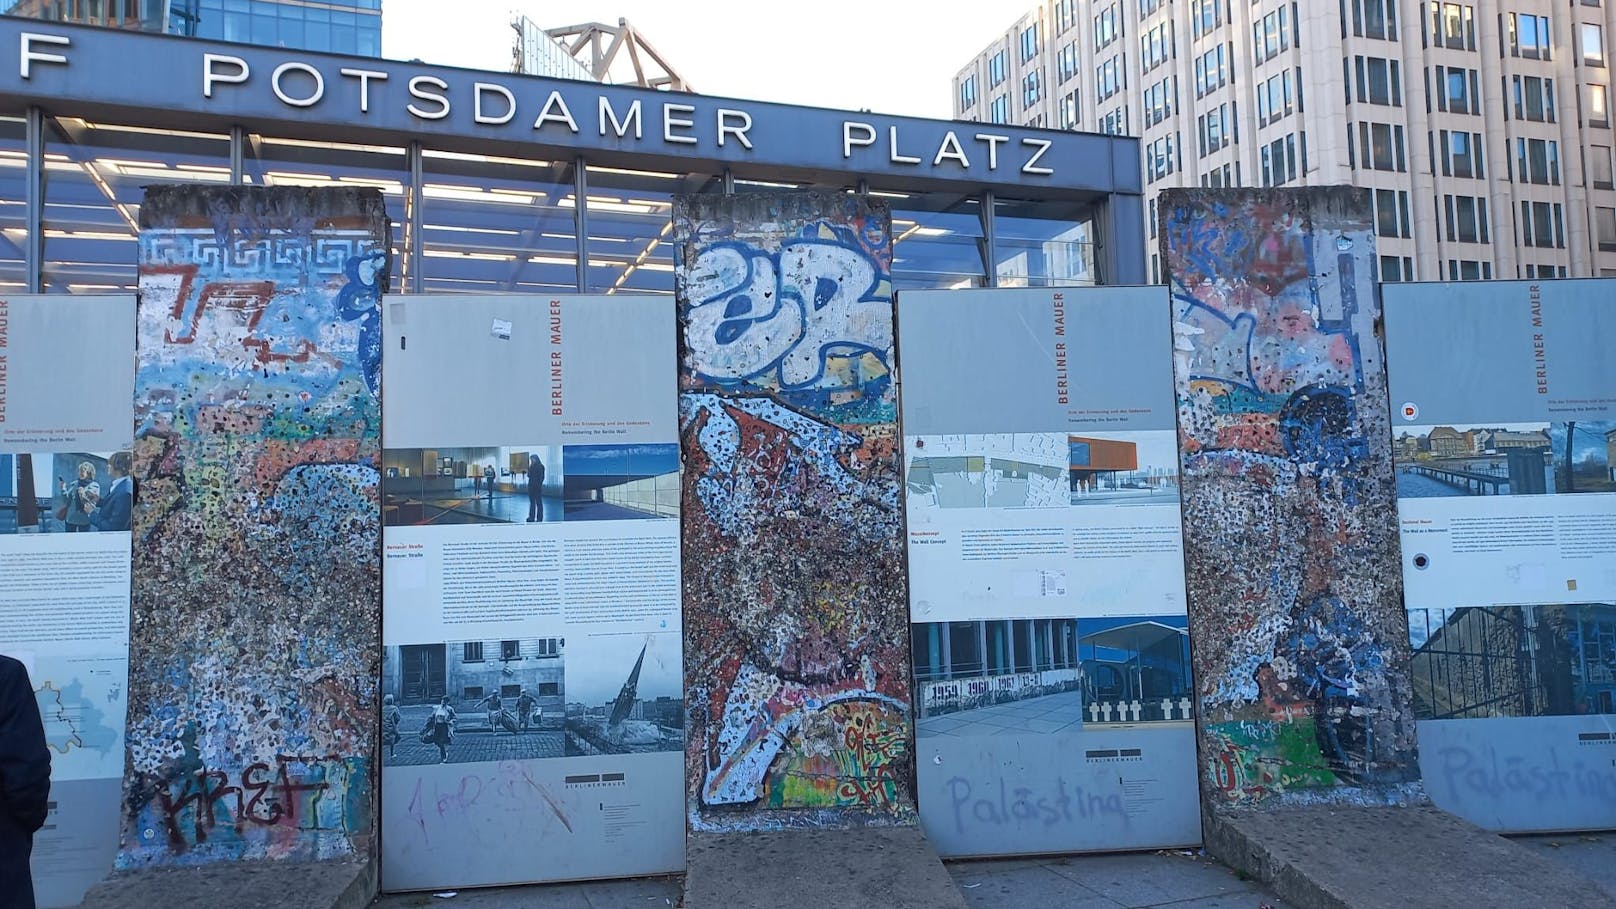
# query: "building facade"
338, 26
1483, 129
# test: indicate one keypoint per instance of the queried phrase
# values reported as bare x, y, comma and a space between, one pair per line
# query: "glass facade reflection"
339, 26
13, 204
629, 217
496, 225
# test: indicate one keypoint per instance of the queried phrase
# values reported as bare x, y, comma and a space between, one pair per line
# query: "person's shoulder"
11, 668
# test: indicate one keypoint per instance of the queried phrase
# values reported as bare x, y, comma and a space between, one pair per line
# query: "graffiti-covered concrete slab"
1290, 512
796, 615
256, 582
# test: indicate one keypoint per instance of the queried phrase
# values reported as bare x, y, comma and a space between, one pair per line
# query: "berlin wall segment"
256, 581
797, 671
1300, 650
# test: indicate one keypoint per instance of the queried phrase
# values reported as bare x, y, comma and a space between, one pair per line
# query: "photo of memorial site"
1501, 459
65, 492
506, 485
621, 482
1136, 669
624, 695
1497, 661
1584, 454
1124, 468
990, 677
456, 702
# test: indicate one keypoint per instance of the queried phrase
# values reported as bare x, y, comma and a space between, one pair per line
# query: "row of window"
473, 651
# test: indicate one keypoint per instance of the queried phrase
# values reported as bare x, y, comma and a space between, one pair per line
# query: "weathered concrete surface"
1300, 642
796, 607
874, 867
249, 885
1332, 857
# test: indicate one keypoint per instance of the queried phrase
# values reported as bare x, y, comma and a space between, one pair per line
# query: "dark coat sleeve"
25, 763
114, 512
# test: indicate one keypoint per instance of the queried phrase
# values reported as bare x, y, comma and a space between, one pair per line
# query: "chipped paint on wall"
796, 619
256, 580
1290, 518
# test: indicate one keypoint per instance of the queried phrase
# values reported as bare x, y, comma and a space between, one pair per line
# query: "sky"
886, 56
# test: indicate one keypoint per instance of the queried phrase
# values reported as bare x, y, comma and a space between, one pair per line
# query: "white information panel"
533, 717
1053, 705
1504, 425
66, 420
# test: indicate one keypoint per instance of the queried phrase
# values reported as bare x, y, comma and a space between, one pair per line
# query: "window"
1107, 26
1211, 70
1214, 129
1597, 106
1279, 161
1065, 15
1372, 19
1271, 35
549, 689
1592, 40
1029, 42
1381, 147
1528, 36
472, 652
999, 110
1109, 79
1542, 225
1029, 89
1467, 219
1458, 90
1274, 100
1391, 213
1453, 25
549, 647
1379, 81
1116, 122
1205, 15
1599, 167
1461, 154
1469, 270
1066, 63
510, 650
1534, 98
968, 92
1605, 228
1160, 99
472, 692
1537, 161
1160, 160
1156, 46
1394, 268
1068, 113
997, 69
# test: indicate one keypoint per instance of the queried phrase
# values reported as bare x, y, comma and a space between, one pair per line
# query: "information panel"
532, 711
1051, 651
66, 418
1504, 425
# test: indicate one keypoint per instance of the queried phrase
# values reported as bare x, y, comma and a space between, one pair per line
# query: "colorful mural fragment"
796, 653
256, 583
1290, 511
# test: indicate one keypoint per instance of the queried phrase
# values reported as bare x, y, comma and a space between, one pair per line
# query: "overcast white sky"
889, 56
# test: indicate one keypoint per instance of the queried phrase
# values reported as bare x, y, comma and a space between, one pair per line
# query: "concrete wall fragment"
796, 609
256, 581
1290, 512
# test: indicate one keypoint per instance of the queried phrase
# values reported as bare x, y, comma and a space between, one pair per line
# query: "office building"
1483, 130
339, 26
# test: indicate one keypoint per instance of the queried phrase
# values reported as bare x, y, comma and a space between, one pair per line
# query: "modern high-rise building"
338, 26
1484, 129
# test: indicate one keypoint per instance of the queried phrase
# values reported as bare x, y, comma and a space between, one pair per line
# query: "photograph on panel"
455, 702
625, 694
1497, 661
66, 492
993, 676
1124, 468
621, 482
997, 470
1136, 669
1584, 453
495, 485
1502, 459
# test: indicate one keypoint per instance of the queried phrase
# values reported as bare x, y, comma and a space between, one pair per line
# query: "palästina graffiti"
1290, 518
256, 576
796, 661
